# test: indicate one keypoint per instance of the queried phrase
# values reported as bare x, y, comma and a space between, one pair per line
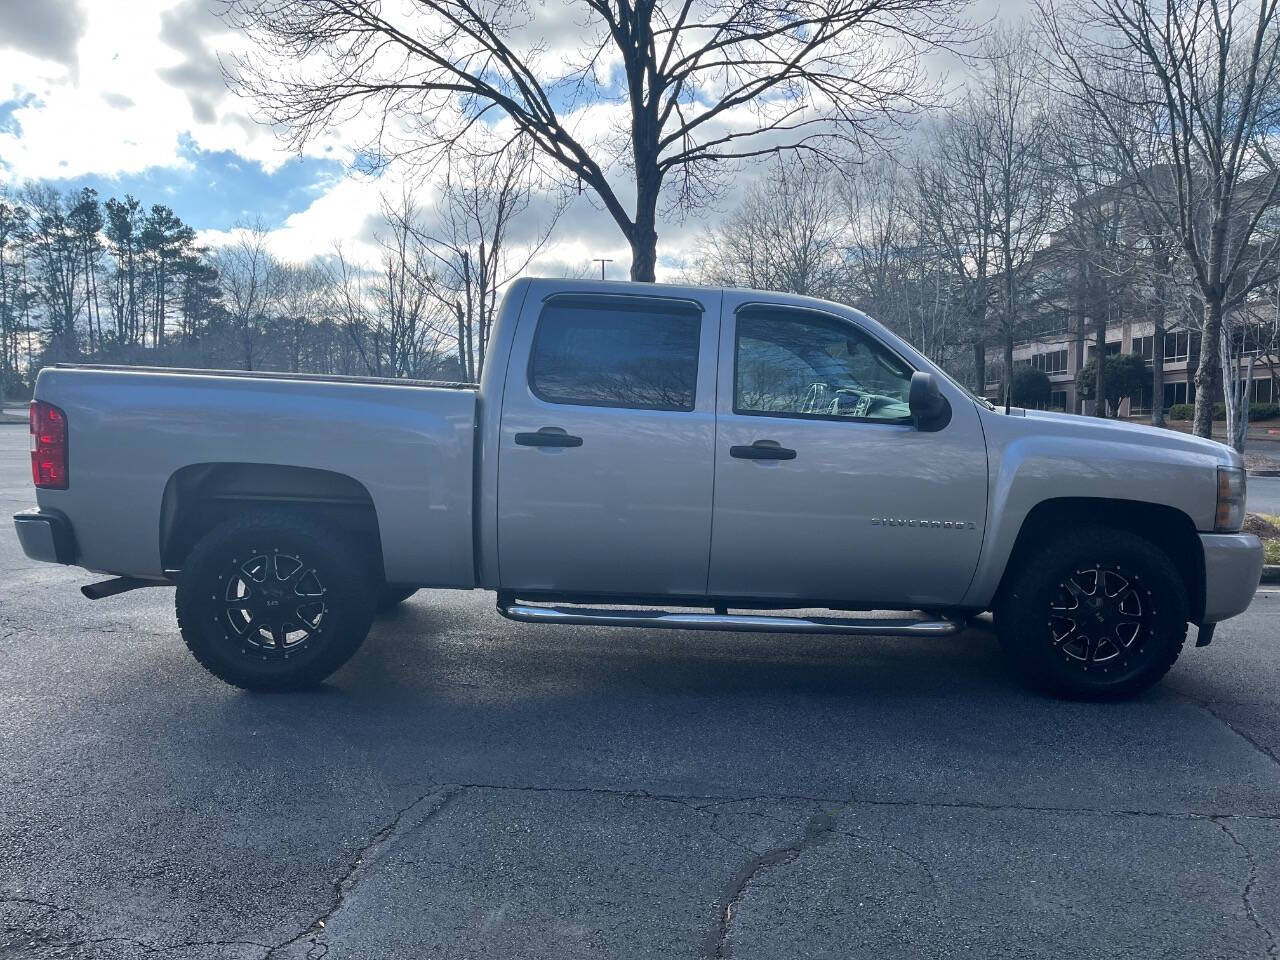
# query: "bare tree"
1094, 249
387, 308
955, 208
1205, 74
302, 301
249, 278
894, 269
13, 292
788, 235
1011, 103
699, 85
470, 241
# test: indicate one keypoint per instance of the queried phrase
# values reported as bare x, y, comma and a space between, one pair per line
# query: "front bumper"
1232, 568
45, 535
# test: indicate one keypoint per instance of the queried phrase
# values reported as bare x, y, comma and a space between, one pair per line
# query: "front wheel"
274, 601
1097, 614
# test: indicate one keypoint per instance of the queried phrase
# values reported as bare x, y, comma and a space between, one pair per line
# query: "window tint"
616, 356
816, 366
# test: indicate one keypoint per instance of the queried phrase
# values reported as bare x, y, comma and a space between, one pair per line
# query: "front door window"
814, 366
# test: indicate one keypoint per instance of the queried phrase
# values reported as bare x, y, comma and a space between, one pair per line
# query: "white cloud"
117, 87
119, 97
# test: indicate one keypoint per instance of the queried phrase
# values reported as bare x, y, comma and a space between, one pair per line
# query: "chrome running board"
742, 623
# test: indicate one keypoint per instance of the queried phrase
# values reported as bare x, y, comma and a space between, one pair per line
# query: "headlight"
1230, 514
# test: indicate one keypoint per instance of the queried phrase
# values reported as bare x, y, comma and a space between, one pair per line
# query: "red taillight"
48, 446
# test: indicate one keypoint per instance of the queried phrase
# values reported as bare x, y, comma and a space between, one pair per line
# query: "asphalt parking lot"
469, 787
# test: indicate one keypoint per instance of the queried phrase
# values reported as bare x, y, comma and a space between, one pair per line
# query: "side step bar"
743, 623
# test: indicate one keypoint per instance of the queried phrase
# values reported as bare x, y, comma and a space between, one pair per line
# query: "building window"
1055, 361
1051, 362
1140, 402
1262, 390
1144, 347
1058, 400
1179, 393
1177, 347
1113, 348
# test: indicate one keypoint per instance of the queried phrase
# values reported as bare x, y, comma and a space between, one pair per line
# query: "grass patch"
1267, 527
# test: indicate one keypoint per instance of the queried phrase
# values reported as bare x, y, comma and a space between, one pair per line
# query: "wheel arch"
200, 496
1168, 528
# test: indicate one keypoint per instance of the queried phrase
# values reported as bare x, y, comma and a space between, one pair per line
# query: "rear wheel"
274, 601
1097, 614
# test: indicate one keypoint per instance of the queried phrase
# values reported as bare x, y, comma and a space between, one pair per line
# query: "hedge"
1257, 411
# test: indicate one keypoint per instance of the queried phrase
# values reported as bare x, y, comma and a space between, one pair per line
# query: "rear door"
825, 490
606, 447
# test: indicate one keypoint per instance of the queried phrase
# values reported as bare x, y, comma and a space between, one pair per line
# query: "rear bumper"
1232, 567
45, 535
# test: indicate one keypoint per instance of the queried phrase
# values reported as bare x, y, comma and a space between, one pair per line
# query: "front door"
825, 490
606, 446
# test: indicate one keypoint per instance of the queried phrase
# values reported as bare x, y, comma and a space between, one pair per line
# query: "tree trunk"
462, 339
979, 366
1157, 375
644, 256
1007, 387
1081, 337
1208, 370
1100, 384
644, 234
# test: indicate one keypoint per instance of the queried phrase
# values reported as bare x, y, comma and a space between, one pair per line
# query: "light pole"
602, 261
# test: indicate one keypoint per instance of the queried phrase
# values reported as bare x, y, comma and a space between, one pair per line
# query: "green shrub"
1031, 388
1257, 411
1124, 375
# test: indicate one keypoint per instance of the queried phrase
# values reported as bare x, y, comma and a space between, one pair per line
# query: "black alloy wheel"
1100, 616
275, 599
1095, 614
274, 602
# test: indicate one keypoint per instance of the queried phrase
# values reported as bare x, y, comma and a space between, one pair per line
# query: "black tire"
1097, 614
241, 624
391, 597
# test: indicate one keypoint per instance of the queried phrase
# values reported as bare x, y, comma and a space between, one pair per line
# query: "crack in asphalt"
1246, 895
819, 828
714, 799
816, 831
1261, 748
364, 858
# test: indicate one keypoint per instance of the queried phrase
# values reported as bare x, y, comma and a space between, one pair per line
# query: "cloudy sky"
127, 96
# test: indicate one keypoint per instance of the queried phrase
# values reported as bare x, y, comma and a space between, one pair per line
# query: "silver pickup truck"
642, 455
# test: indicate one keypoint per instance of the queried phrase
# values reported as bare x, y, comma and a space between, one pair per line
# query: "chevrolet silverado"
642, 455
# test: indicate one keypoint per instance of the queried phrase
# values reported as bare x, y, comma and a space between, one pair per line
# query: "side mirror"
929, 408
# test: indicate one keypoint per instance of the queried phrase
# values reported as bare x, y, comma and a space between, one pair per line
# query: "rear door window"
620, 355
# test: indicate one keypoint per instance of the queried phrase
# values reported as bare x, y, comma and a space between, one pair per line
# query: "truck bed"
137, 435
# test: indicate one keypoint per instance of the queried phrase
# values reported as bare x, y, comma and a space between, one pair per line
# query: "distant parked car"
633, 448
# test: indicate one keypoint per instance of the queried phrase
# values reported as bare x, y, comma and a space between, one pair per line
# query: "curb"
1270, 573
1264, 473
